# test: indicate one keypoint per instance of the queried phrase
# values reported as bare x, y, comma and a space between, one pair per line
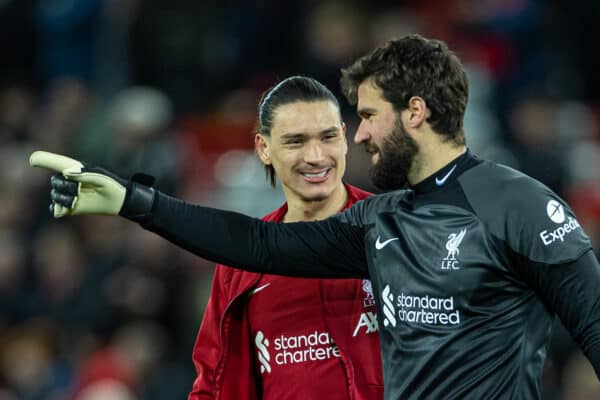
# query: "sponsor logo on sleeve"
556, 213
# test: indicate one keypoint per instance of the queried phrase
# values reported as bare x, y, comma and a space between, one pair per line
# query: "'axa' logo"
262, 351
454, 240
388, 307
368, 321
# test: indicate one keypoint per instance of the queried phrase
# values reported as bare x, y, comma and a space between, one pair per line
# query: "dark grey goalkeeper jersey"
468, 268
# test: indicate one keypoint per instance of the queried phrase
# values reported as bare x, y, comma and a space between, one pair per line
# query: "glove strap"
139, 198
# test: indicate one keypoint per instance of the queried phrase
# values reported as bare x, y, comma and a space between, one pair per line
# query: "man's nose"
313, 153
362, 133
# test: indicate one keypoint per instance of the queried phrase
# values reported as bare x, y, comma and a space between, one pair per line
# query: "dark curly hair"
416, 66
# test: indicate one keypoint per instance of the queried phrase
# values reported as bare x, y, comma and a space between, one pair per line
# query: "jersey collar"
447, 174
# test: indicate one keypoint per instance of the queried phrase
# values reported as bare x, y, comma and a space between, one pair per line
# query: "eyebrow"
295, 135
330, 130
365, 110
289, 136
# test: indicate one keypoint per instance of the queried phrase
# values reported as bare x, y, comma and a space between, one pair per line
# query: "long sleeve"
329, 248
571, 290
209, 347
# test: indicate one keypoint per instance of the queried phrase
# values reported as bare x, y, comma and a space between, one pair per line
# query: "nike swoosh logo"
380, 245
440, 182
258, 289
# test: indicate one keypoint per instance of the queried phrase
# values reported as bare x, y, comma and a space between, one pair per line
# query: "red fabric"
286, 319
224, 353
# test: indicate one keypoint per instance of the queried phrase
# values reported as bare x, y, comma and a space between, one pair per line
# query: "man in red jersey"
274, 337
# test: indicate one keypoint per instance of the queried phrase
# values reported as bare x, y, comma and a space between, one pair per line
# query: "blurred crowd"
97, 308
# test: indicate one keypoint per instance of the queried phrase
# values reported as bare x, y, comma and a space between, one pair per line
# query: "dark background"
95, 306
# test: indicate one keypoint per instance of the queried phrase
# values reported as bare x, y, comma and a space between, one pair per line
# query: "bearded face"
396, 156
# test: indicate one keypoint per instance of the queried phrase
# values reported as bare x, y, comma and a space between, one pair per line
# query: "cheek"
385, 126
383, 134
285, 159
341, 166
340, 157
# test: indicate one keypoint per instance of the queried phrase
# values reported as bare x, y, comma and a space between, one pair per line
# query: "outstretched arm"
329, 248
324, 249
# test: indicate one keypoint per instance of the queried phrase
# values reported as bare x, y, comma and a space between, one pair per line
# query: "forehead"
302, 116
370, 96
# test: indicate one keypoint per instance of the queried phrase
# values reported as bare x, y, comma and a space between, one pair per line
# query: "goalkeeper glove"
79, 189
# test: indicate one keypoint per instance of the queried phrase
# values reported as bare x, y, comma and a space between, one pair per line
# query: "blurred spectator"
12, 262
16, 105
106, 389
29, 363
139, 119
335, 32
106, 372
172, 91
85, 39
66, 37
536, 142
67, 102
205, 138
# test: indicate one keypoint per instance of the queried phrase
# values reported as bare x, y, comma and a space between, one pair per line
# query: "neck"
431, 158
306, 210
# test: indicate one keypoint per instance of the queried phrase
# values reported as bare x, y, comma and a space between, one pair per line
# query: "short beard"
396, 157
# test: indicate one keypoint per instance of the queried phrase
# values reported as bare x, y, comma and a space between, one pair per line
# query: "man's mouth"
371, 149
316, 176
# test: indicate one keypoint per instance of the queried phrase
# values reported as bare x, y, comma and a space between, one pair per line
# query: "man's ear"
418, 112
262, 147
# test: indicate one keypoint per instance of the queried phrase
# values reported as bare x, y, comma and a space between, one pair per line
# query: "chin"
316, 198
318, 194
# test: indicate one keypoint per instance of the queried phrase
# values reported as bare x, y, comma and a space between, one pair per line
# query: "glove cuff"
139, 199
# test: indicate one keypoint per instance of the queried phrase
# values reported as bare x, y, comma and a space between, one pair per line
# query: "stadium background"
170, 88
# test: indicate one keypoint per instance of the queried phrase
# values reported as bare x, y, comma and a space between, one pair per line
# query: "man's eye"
330, 137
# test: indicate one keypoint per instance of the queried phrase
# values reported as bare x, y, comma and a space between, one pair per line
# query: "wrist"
139, 199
